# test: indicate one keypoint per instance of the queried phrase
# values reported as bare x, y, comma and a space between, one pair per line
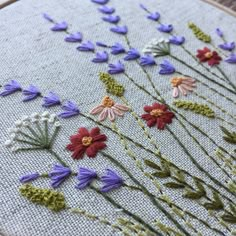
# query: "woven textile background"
32, 54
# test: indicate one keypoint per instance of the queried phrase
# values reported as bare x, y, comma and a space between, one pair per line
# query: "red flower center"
176, 81
107, 102
208, 55
86, 141
157, 112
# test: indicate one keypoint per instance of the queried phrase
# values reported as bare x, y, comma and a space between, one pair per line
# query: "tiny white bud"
8, 143
52, 118
26, 124
44, 119
14, 149
34, 120
45, 114
13, 136
57, 124
35, 115
25, 118
18, 123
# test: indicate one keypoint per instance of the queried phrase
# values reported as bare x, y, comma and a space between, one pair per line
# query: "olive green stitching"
199, 33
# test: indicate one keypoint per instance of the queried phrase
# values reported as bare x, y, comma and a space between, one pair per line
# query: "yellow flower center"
176, 81
157, 112
107, 102
86, 141
208, 55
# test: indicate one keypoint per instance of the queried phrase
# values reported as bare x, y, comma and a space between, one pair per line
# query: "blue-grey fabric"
32, 54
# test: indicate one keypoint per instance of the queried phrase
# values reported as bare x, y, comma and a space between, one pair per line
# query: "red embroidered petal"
94, 131
147, 117
93, 149
151, 122
160, 123
71, 147
79, 152
100, 138
148, 108
83, 132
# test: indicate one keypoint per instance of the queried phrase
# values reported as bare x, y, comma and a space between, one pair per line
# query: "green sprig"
199, 33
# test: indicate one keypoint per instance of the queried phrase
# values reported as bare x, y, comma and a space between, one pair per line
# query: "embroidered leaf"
152, 164
198, 108
161, 174
51, 199
199, 33
112, 86
201, 192
180, 176
216, 204
230, 136
229, 218
174, 185
233, 209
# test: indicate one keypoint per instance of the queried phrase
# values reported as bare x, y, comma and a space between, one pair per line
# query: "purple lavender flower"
101, 44
60, 26
147, 60
116, 68
231, 59
85, 177
70, 109
29, 177
166, 68
106, 9
31, 93
111, 181
47, 17
58, 174
111, 19
143, 7
177, 40
219, 32
100, 1
117, 48
76, 37
119, 29
100, 57
85, 47
132, 54
165, 28
154, 16
51, 100
227, 46
12, 87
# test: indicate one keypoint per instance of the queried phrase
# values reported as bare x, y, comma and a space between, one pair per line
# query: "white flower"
52, 118
45, 114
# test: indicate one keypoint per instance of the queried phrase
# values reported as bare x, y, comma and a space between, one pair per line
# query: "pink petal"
175, 92
182, 90
187, 87
97, 109
188, 83
117, 111
121, 107
111, 115
103, 115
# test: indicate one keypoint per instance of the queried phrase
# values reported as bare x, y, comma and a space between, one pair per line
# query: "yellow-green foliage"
199, 33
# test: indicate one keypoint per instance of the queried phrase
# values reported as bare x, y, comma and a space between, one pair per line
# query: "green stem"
28, 142
30, 137
145, 190
135, 217
57, 157
53, 137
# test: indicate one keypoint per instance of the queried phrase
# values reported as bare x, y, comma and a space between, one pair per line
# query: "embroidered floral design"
51, 99
108, 108
74, 38
116, 68
31, 93
227, 46
85, 47
177, 40
158, 114
132, 54
60, 26
29, 177
219, 32
165, 28
231, 59
157, 47
199, 33
154, 16
166, 68
47, 17
70, 109
100, 57
117, 48
10, 88
111, 181
100, 1
183, 85
89, 142
85, 177
106, 9
147, 60
111, 19
206, 55
119, 29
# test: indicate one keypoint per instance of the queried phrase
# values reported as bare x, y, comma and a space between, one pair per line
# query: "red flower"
206, 55
158, 114
86, 142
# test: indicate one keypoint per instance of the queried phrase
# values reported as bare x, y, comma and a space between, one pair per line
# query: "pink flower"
182, 85
108, 108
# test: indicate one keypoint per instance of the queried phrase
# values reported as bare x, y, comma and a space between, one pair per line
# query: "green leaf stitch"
215, 204
199, 33
229, 137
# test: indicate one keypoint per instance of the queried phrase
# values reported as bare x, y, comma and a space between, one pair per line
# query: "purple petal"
166, 68
116, 68
85, 177
231, 59
147, 60
154, 16
117, 48
60, 26
12, 87
143, 7
132, 54
119, 29
111, 19
51, 100
76, 37
29, 177
100, 1
85, 47
227, 46
177, 40
31, 93
47, 17
111, 181
100, 44
165, 28
106, 9
219, 32
70, 109
100, 57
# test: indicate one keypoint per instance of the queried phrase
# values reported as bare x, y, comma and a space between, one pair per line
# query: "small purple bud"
117, 48
100, 44
12, 87
147, 60
165, 28
166, 68
219, 32
85, 47
69, 109
231, 59
132, 54
29, 177
100, 57
100, 1
143, 7
51, 100
111, 19
154, 16
116, 68
85, 177
177, 40
119, 29
76, 37
227, 46
60, 26
31, 93
106, 9
47, 17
